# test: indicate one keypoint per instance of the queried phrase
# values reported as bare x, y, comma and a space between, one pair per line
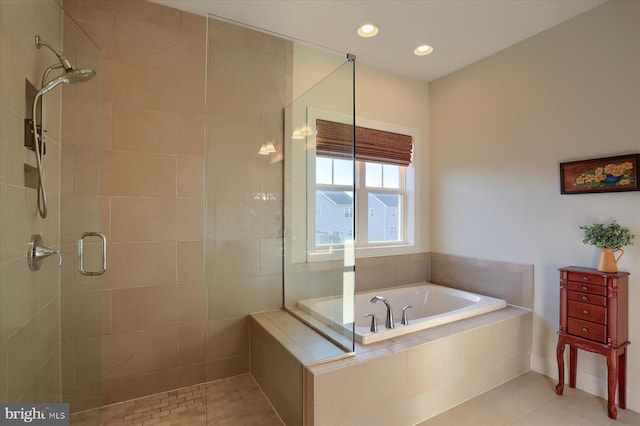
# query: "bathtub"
433, 305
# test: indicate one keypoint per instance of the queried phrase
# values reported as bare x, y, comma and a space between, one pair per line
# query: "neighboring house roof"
389, 200
338, 197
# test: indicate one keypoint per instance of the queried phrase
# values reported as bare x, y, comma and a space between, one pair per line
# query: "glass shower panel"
319, 256
81, 302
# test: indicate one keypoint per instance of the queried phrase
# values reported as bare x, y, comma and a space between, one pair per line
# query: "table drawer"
587, 312
588, 288
588, 330
588, 298
586, 278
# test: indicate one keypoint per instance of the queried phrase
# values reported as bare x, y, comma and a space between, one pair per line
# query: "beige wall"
152, 187
29, 301
499, 129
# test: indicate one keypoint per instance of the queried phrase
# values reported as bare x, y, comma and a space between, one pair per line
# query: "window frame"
411, 200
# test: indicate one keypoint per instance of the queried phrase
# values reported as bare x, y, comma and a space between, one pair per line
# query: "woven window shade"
336, 140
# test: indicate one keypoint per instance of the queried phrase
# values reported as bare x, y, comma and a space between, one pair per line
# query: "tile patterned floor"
528, 400
235, 401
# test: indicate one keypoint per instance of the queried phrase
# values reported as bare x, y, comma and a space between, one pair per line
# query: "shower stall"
200, 228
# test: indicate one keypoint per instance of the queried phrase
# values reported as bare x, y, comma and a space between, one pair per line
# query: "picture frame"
597, 175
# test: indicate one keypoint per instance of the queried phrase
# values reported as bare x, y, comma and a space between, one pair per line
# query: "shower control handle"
374, 324
37, 252
405, 320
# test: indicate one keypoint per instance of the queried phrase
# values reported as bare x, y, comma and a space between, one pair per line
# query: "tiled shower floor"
234, 401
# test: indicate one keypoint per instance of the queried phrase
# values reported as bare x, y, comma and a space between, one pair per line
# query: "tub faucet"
389, 322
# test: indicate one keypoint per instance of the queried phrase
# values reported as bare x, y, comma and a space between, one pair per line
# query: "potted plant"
609, 239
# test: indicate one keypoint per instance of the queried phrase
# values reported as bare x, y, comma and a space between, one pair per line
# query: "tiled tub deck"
401, 381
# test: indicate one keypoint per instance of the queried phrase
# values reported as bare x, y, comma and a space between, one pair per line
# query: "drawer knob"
584, 311
585, 298
585, 278
584, 329
585, 288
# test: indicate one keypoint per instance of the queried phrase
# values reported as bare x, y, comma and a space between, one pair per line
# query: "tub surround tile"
278, 373
512, 282
390, 271
469, 345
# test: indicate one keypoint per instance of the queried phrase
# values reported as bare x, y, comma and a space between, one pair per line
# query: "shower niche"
30, 171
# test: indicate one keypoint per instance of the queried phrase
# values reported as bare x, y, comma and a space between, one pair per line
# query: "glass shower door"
82, 308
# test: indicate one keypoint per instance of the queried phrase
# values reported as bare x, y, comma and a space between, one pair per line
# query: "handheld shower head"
78, 75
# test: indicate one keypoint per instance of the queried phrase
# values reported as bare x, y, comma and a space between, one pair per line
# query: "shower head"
78, 75
63, 60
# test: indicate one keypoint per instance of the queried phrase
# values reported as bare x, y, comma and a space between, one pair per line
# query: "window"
334, 196
382, 190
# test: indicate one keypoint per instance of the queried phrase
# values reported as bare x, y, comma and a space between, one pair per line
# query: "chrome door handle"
81, 253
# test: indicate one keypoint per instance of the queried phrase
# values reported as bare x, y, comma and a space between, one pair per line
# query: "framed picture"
609, 174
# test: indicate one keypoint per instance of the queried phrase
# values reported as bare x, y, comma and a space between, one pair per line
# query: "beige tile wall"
390, 271
417, 376
154, 194
512, 282
29, 301
245, 99
153, 298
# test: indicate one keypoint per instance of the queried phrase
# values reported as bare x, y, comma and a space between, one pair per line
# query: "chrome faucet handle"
405, 320
374, 324
37, 252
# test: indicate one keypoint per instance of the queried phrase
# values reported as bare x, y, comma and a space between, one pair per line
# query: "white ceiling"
460, 31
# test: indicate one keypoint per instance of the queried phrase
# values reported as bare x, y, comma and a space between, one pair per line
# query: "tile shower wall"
246, 94
29, 301
164, 324
152, 188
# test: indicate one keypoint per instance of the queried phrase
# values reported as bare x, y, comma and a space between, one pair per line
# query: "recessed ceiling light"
423, 49
367, 30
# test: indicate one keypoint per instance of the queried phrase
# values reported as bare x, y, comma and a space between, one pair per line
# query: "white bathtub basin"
433, 305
